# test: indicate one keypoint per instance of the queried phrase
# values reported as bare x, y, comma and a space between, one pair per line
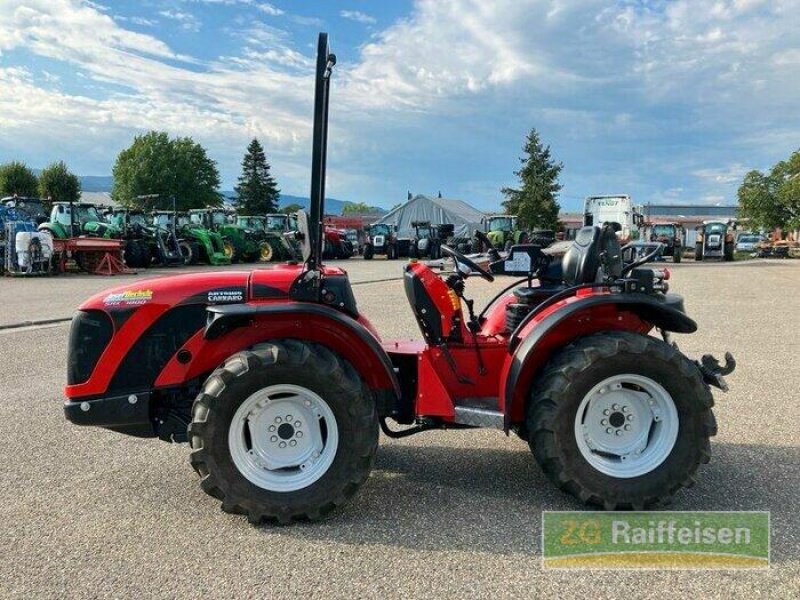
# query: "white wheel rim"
626, 426
283, 438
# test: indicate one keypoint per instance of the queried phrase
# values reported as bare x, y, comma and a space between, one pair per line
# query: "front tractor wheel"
286, 431
620, 420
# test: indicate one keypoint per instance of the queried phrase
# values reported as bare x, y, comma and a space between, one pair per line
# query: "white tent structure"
438, 211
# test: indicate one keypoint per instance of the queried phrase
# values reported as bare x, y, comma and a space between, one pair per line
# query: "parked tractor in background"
81, 219
245, 247
270, 233
353, 238
381, 239
670, 236
34, 208
336, 244
619, 209
161, 243
23, 249
428, 239
166, 223
504, 231
714, 240
212, 248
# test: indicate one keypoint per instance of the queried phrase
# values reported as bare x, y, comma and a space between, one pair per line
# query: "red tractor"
280, 383
336, 244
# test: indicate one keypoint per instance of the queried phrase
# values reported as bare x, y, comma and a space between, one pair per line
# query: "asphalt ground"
89, 513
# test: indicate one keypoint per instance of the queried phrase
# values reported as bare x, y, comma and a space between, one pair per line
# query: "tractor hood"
163, 292
210, 288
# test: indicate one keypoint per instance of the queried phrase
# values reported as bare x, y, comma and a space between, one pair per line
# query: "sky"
668, 101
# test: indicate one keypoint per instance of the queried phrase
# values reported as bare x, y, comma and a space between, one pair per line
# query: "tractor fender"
544, 333
353, 339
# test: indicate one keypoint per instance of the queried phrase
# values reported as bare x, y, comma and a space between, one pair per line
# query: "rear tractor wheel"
287, 431
266, 252
620, 420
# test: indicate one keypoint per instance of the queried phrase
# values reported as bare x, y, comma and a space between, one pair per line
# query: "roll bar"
325, 62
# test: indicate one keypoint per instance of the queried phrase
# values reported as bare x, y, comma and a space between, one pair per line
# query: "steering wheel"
460, 258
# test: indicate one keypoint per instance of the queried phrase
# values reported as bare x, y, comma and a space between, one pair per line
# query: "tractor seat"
594, 248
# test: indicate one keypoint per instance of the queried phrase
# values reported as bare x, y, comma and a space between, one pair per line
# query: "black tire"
557, 394
698, 252
133, 254
300, 363
728, 252
147, 255
391, 252
436, 251
677, 255
369, 251
190, 252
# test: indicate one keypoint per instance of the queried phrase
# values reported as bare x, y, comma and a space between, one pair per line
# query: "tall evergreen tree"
257, 192
536, 200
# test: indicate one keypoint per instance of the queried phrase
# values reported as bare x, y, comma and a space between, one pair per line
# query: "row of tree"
157, 170
55, 183
772, 200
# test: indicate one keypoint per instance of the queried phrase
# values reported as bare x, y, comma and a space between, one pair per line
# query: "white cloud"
358, 16
269, 9
725, 175
186, 20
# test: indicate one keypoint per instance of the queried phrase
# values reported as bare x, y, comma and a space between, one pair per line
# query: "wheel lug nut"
619, 432
278, 419
608, 431
272, 427
630, 417
624, 409
615, 406
627, 427
299, 434
282, 445
606, 412
274, 438
297, 424
288, 417
603, 422
293, 443
307, 402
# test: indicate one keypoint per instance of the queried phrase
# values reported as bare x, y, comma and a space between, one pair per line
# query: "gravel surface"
90, 513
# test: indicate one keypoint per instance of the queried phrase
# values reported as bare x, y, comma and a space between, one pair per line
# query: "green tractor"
210, 246
170, 222
244, 242
503, 231
81, 219
269, 231
161, 242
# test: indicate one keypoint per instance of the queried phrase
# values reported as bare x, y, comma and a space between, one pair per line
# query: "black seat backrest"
593, 248
581, 261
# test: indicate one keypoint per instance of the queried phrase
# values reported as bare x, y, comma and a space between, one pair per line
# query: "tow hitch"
713, 372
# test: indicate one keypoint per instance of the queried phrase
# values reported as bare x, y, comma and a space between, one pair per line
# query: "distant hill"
332, 205
96, 183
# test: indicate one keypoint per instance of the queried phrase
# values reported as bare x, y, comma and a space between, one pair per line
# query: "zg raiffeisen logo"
655, 540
